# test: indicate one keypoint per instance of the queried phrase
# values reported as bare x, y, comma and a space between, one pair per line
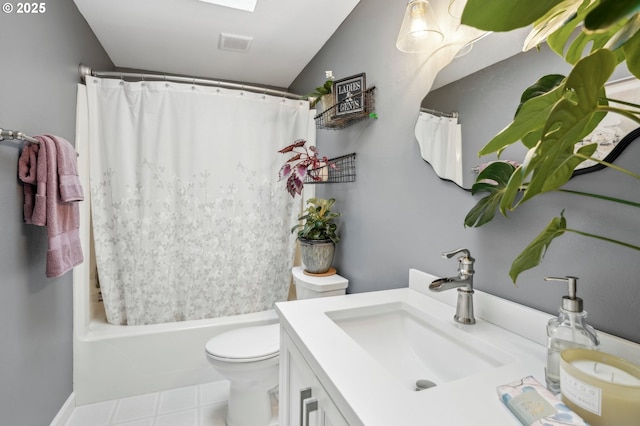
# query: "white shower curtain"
189, 219
440, 141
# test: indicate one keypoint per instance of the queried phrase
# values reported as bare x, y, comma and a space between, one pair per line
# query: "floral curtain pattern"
189, 219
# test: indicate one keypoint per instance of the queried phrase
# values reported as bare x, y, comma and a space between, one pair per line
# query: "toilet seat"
246, 344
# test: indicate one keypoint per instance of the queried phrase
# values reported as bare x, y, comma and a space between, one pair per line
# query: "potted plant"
304, 162
317, 235
557, 111
323, 92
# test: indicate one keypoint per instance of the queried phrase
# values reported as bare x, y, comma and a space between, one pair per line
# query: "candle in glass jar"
601, 388
606, 372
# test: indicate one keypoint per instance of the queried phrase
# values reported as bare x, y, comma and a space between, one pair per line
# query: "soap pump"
569, 330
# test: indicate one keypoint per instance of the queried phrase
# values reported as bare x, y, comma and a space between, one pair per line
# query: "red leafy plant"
304, 162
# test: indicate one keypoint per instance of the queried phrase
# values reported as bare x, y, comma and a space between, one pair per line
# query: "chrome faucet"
463, 282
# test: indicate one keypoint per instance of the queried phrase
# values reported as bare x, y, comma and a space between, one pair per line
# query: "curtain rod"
85, 71
439, 113
12, 134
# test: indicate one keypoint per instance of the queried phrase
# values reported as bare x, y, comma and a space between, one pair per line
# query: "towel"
27, 173
56, 207
532, 404
68, 180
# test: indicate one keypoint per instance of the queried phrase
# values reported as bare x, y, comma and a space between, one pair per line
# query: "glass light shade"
456, 7
420, 30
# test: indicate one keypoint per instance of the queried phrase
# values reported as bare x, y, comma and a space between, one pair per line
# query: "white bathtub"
116, 361
112, 361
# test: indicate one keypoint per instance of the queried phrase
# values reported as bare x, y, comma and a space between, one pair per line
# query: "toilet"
249, 356
313, 286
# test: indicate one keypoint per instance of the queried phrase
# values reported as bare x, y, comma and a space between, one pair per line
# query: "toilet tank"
310, 286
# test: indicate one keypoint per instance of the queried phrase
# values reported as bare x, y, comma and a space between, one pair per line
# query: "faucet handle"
467, 255
465, 262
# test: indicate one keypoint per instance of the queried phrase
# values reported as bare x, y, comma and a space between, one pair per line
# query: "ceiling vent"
234, 43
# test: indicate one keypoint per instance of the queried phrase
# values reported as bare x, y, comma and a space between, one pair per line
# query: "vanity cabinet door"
303, 400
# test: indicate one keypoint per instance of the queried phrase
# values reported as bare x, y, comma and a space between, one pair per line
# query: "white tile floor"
202, 405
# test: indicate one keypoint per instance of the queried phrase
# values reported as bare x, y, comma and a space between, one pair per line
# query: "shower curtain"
189, 219
440, 141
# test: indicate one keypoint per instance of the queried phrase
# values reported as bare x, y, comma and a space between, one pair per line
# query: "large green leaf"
631, 28
530, 118
595, 41
569, 122
609, 12
632, 52
559, 38
564, 167
493, 179
533, 254
543, 85
509, 194
504, 15
567, 44
552, 21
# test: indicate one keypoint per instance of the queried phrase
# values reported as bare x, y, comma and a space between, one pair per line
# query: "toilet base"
250, 406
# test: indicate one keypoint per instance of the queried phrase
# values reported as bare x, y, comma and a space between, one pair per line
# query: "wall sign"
349, 94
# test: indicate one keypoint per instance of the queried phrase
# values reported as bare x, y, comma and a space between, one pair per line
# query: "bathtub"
111, 361
114, 361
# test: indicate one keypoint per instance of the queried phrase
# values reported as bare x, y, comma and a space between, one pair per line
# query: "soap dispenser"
569, 330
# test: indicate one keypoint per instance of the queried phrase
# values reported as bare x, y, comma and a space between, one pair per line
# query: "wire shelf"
338, 170
329, 120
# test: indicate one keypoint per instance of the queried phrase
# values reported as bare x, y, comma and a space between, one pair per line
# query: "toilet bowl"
249, 356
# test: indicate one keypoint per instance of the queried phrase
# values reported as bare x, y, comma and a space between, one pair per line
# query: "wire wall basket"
335, 118
338, 170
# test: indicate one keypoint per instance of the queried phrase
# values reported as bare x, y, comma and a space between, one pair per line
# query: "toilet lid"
246, 343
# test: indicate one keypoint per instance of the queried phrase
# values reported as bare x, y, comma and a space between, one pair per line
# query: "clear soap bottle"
569, 330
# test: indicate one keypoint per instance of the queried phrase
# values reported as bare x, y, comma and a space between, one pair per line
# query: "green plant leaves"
532, 255
552, 123
493, 179
609, 12
568, 122
318, 221
552, 21
556, 112
504, 15
531, 118
632, 52
543, 85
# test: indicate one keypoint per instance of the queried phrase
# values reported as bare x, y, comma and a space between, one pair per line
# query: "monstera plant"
557, 112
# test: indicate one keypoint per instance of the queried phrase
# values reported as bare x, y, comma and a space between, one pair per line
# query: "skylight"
247, 5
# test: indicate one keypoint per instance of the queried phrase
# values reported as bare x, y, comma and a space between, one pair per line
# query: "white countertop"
367, 394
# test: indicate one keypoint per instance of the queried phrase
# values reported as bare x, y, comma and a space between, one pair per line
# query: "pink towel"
27, 173
68, 180
56, 167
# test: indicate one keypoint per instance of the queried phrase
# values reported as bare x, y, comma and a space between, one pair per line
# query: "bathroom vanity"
355, 359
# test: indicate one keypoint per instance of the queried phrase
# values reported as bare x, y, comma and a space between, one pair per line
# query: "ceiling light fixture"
246, 5
420, 30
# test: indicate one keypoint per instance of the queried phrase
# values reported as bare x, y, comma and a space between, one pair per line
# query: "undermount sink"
413, 345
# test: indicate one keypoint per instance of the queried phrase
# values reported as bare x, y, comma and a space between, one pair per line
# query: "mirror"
486, 100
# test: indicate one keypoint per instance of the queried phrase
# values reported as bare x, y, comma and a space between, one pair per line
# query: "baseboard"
65, 412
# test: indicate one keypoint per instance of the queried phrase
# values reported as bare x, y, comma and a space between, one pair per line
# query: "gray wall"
40, 55
400, 215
